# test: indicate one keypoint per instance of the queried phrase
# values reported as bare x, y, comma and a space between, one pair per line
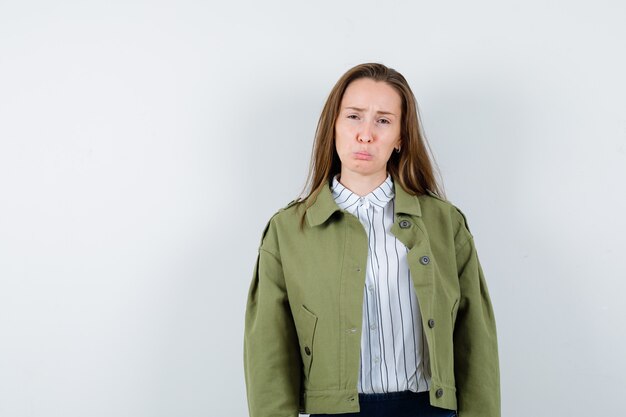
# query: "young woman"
368, 298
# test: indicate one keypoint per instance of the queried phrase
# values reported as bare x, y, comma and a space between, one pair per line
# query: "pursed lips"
363, 155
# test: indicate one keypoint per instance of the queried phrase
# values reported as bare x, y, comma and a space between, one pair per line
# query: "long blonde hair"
411, 168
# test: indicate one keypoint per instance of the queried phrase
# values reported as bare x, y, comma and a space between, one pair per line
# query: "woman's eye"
384, 121
352, 116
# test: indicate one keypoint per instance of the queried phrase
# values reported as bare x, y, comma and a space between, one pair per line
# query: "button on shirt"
394, 353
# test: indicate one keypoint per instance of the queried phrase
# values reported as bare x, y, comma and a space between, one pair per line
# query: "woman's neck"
362, 184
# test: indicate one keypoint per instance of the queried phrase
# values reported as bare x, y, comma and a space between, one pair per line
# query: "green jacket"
304, 308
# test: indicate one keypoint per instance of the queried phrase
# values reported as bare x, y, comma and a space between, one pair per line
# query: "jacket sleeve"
476, 365
272, 360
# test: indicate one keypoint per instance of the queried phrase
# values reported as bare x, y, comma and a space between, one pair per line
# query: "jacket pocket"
306, 335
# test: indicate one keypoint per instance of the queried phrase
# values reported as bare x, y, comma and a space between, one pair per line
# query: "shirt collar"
324, 205
350, 201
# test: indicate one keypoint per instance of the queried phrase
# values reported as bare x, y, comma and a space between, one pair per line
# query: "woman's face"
367, 128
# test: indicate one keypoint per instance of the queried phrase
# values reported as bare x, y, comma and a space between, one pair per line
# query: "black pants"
396, 404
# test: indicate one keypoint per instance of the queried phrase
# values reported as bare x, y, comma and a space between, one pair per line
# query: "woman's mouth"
363, 155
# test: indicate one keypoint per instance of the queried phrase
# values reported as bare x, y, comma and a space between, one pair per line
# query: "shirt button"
424, 260
431, 323
372, 326
307, 351
405, 224
371, 288
439, 393
376, 359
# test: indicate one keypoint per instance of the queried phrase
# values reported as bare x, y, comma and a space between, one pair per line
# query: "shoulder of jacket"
463, 217
430, 193
456, 211
276, 213
290, 204
435, 199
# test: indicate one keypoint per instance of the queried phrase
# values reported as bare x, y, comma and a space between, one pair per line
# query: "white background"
144, 145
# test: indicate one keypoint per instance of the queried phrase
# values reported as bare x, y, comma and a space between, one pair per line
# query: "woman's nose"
365, 134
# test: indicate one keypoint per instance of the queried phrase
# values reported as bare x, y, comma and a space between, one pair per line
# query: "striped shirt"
394, 352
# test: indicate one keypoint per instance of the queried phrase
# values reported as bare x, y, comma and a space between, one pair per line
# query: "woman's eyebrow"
361, 110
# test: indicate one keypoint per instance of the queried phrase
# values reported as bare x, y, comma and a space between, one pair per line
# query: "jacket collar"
324, 205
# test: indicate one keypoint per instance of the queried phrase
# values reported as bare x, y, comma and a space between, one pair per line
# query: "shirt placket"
370, 333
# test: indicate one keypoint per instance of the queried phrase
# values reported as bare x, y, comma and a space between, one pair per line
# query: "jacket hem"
347, 400
330, 401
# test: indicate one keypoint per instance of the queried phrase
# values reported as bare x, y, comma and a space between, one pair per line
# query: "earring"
397, 150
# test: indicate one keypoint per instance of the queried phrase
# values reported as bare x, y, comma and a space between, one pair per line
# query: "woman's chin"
365, 170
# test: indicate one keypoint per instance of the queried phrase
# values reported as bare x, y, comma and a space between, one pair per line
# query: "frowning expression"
368, 127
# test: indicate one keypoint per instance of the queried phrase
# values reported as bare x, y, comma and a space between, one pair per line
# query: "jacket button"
405, 224
307, 351
439, 393
424, 260
431, 323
